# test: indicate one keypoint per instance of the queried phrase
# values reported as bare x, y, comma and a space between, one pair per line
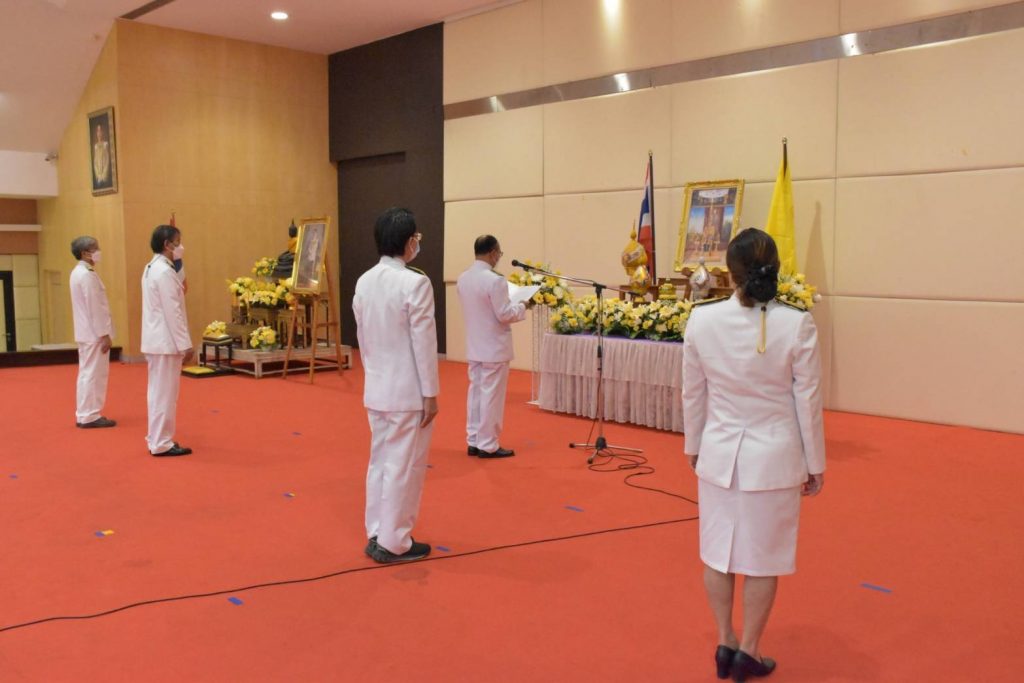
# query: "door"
8, 337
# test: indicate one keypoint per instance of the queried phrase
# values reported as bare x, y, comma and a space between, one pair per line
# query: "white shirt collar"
393, 261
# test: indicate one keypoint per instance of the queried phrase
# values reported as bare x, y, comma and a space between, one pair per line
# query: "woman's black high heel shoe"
723, 660
744, 666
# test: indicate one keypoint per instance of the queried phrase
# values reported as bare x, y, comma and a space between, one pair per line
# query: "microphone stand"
600, 445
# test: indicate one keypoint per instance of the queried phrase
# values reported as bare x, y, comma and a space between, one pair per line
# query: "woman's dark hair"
485, 244
753, 262
161, 235
392, 231
82, 244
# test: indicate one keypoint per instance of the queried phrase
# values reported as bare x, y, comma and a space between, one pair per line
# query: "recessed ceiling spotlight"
279, 16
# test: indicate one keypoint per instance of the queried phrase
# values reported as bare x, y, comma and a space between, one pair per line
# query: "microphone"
519, 264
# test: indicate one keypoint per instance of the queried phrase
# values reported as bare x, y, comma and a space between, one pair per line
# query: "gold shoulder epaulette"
713, 300
790, 305
415, 270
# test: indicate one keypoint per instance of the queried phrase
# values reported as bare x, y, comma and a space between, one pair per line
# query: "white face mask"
96, 257
415, 249
179, 251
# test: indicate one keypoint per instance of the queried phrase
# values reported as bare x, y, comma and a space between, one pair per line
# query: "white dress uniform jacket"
89, 305
164, 319
488, 314
92, 322
394, 311
758, 413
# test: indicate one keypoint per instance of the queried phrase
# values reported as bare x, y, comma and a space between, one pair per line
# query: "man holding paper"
489, 314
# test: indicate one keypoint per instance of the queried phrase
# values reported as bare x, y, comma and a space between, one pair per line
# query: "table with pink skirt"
642, 379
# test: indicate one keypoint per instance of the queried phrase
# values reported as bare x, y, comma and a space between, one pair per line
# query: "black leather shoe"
744, 666
723, 660
371, 545
382, 555
500, 453
472, 450
99, 423
172, 451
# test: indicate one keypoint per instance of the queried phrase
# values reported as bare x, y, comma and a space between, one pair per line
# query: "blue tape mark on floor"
289, 495
444, 549
100, 534
573, 508
296, 433
873, 587
14, 476
234, 601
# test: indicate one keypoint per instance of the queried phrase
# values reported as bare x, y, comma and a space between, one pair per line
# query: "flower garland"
553, 291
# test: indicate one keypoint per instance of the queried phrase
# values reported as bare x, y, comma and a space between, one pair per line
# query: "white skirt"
748, 532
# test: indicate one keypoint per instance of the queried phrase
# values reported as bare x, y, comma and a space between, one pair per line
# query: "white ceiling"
49, 47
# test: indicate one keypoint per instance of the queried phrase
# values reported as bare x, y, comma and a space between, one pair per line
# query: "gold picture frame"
310, 255
102, 151
711, 216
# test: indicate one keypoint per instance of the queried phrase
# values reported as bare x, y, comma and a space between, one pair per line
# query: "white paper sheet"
519, 294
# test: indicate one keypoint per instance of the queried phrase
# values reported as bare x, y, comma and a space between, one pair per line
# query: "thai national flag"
645, 234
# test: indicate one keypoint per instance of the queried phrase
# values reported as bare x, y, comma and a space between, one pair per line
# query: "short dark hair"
161, 234
753, 262
83, 243
392, 231
485, 244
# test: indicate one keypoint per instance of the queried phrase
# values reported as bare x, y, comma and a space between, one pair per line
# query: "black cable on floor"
343, 572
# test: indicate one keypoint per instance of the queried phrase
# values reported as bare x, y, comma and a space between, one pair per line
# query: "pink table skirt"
642, 379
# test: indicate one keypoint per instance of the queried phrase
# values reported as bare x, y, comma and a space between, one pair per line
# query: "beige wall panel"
705, 28
494, 155
6, 262
587, 38
26, 269
947, 107
586, 233
936, 236
947, 362
517, 223
26, 303
28, 333
602, 143
733, 127
813, 214
494, 52
858, 15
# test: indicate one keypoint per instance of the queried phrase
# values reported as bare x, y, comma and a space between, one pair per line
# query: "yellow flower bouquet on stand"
263, 338
216, 330
553, 291
794, 290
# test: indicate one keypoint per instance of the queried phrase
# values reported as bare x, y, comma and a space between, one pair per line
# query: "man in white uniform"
165, 339
489, 316
93, 330
394, 311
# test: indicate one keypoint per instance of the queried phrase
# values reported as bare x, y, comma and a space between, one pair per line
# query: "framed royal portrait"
711, 214
102, 151
310, 254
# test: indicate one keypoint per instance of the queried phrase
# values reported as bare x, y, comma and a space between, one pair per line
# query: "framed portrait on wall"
310, 253
711, 214
102, 151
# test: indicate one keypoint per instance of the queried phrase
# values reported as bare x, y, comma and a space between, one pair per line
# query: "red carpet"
909, 562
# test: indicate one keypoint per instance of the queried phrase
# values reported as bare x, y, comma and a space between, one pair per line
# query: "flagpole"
653, 266
785, 154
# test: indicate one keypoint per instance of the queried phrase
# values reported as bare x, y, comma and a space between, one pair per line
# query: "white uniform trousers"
485, 406
93, 371
162, 399
394, 480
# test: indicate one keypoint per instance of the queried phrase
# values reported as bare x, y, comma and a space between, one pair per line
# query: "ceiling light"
279, 16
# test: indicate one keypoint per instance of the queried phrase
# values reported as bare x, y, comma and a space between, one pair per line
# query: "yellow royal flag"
779, 223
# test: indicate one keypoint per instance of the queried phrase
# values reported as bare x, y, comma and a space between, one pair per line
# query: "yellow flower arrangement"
264, 267
657, 321
553, 292
252, 292
216, 329
794, 290
263, 338
665, 320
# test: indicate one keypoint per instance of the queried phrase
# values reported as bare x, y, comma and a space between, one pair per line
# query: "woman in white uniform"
753, 422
